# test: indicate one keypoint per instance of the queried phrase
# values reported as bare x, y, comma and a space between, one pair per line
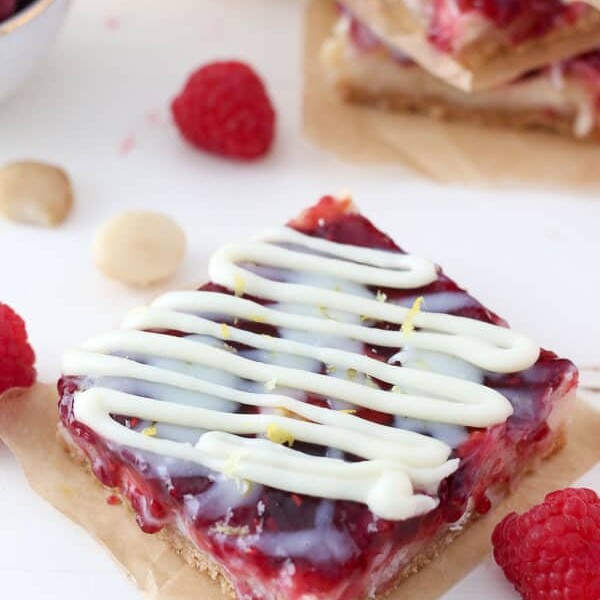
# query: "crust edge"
527, 120
202, 562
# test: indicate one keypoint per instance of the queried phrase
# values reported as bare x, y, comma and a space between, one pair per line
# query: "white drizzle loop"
396, 462
488, 346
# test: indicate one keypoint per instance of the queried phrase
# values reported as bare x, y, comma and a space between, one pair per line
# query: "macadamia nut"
139, 248
35, 193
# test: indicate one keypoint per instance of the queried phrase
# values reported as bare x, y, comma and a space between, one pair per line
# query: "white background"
531, 255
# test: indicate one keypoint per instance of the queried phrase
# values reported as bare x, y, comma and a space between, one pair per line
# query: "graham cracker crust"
203, 562
436, 108
376, 79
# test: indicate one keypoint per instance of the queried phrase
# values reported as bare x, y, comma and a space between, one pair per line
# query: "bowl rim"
24, 16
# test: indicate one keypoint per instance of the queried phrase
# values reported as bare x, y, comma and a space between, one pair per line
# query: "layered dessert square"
318, 421
474, 44
563, 97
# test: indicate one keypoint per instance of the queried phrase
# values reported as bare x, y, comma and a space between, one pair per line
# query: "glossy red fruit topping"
16, 355
552, 552
224, 109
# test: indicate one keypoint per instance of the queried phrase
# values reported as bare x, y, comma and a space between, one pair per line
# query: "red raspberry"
16, 356
224, 109
552, 552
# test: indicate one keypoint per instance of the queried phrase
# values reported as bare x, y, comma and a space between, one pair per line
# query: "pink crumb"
127, 144
154, 118
112, 23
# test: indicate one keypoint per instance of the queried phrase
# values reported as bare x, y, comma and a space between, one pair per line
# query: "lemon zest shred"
408, 325
279, 435
258, 318
245, 486
271, 384
330, 369
351, 373
348, 411
225, 529
239, 285
232, 466
150, 431
230, 470
284, 412
224, 331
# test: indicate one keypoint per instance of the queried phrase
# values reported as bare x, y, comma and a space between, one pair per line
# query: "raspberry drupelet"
16, 355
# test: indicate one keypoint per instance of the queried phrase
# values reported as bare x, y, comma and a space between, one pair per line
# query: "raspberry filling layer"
272, 542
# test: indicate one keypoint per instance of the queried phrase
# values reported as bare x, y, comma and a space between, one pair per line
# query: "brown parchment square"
445, 152
28, 427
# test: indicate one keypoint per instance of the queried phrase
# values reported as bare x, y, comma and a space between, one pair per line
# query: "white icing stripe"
451, 400
482, 346
396, 461
367, 444
384, 484
418, 450
422, 270
475, 406
506, 350
265, 254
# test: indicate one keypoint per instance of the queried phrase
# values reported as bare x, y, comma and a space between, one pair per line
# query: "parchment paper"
28, 427
445, 152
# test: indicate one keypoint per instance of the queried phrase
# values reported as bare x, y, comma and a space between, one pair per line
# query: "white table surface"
530, 255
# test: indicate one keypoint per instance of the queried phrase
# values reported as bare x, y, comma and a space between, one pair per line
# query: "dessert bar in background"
557, 95
321, 419
477, 45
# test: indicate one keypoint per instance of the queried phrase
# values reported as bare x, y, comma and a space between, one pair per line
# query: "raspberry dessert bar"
318, 421
475, 44
563, 97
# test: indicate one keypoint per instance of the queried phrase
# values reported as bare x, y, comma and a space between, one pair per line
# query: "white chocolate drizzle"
399, 471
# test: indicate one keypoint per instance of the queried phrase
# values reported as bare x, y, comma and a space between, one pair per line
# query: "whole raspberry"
224, 109
16, 355
552, 552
